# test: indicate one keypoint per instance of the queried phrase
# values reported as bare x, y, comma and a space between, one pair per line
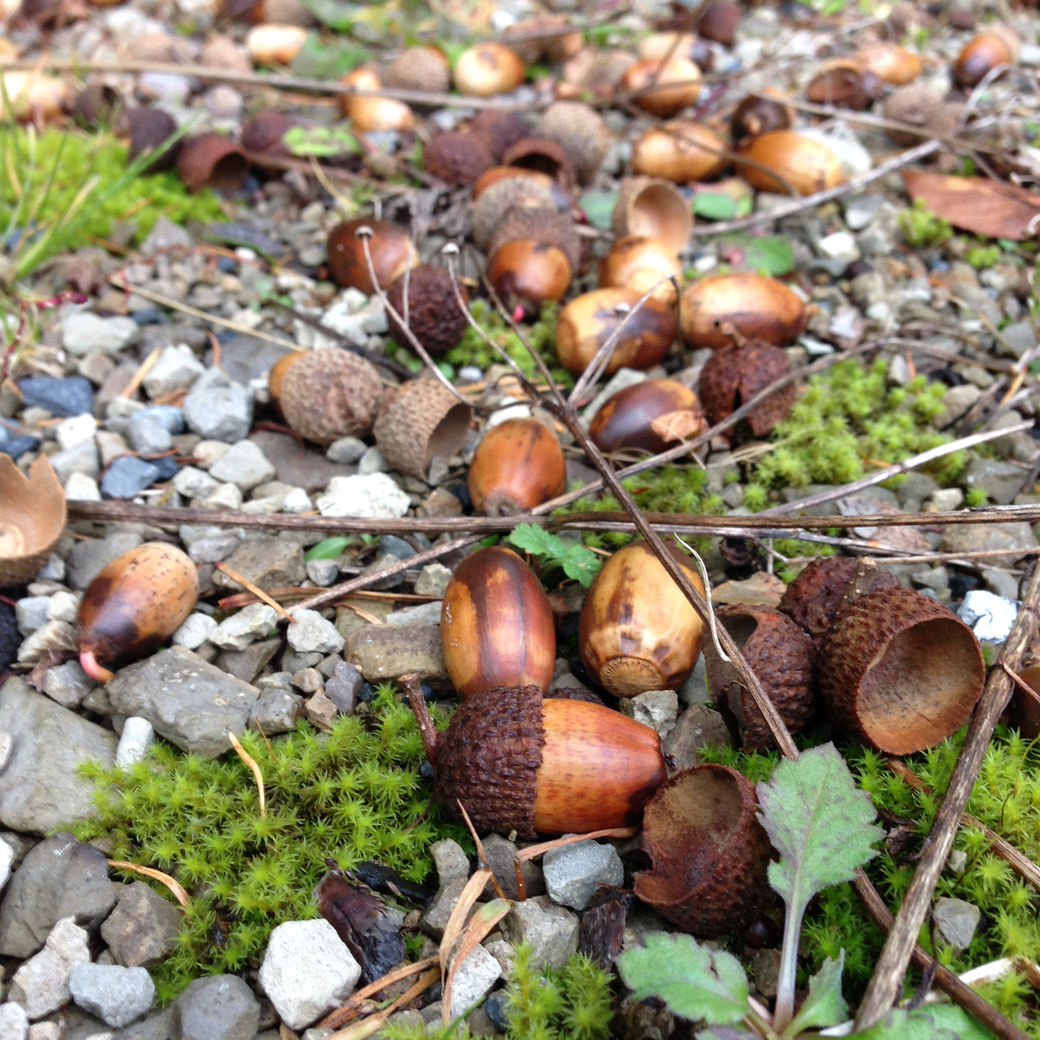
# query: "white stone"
243, 465
116, 994
990, 616
297, 501
14, 1025
840, 245
63, 606
373, 495
82, 333
306, 969
194, 631
176, 368
134, 741
6, 744
6, 859
309, 632
473, 979
192, 482
75, 430
41, 984
242, 628
223, 496
82, 488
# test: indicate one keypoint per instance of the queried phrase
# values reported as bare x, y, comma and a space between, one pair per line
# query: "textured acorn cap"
500, 129
546, 226
919, 106
457, 157
780, 654
433, 312
581, 130
734, 375
422, 420
489, 759
212, 161
709, 851
504, 196
419, 68
545, 156
900, 671
330, 393
32, 517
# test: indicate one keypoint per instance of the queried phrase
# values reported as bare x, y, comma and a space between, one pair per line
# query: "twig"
891, 966
255, 590
254, 768
171, 883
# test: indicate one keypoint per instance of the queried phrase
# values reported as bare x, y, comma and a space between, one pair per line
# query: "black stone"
66, 397
16, 447
10, 637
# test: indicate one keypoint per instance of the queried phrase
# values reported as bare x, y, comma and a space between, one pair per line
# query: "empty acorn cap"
900, 671
734, 375
32, 517
545, 156
422, 421
581, 130
653, 208
709, 851
501, 129
212, 161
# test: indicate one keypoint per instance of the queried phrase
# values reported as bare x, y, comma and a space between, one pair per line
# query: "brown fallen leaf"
978, 204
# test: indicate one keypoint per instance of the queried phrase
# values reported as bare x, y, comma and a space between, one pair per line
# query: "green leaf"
328, 549
726, 1033
536, 540
713, 205
824, 1006
318, 60
321, 141
581, 563
336, 14
693, 981
773, 255
941, 1022
598, 207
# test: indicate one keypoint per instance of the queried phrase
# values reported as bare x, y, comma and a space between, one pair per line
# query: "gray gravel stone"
265, 560
420, 614
372, 462
30, 613
433, 580
41, 984
6, 862
219, 409
388, 652
473, 979
500, 852
128, 476
245, 626
551, 931
176, 368
343, 686
657, 709
1013, 536
373, 495
573, 872
14, 1025
306, 969
55, 635
956, 921
450, 860
134, 741
192, 482
309, 632
147, 435
194, 631
88, 558
143, 927
117, 995
83, 333
697, 727
191, 703
220, 1007
438, 911
81, 458
322, 572
249, 663
346, 450
1002, 481
243, 465
276, 710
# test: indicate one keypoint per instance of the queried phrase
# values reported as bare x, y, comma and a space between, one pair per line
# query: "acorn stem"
90, 664
417, 702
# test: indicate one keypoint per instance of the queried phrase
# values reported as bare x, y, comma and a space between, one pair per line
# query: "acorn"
544, 156
32, 96
487, 69
372, 113
497, 626
780, 654
432, 311
637, 631
32, 517
983, 53
581, 130
134, 605
544, 225
844, 83
500, 129
212, 161
527, 273
710, 854
98, 106
419, 68
889, 62
275, 44
733, 375
594, 71
526, 190
670, 86
916, 105
457, 157
277, 374
718, 21
390, 247
149, 129
517, 465
264, 134
657, 46
651, 415
518, 762
496, 174
653, 208
806, 164
759, 115
329, 393
590, 319
680, 151
640, 262
720, 309
555, 47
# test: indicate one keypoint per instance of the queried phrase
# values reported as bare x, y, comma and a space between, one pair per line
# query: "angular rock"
54, 636
245, 626
551, 931
220, 1006
60, 877
116, 995
697, 727
67, 684
438, 910
191, 703
249, 663
276, 711
1016, 535
308, 469
176, 368
267, 561
134, 741
194, 631
88, 558
343, 686
219, 409
83, 333
128, 476
81, 458
243, 465
387, 652
473, 979
433, 580
41, 984
70, 396
309, 632
14, 1024
1001, 480
143, 927
956, 921
574, 872
372, 495
500, 852
450, 860
40, 788
657, 709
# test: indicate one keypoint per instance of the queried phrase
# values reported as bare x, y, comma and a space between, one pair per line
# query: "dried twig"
171, 883
254, 768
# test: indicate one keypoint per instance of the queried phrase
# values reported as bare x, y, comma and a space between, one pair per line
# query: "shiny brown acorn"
527, 273
390, 247
496, 624
983, 53
517, 466
136, 603
518, 762
759, 115
680, 151
780, 156
637, 630
651, 415
369, 113
487, 69
719, 310
640, 262
669, 86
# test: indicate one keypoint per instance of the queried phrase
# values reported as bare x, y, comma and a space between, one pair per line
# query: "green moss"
350, 794
922, 228
983, 255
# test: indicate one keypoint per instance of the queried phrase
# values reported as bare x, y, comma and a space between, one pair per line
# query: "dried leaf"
985, 207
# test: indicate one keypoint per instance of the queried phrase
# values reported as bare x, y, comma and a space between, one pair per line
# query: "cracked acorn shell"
716, 310
651, 415
518, 465
806, 164
780, 654
710, 853
133, 605
32, 517
900, 671
497, 627
552, 766
734, 375
637, 631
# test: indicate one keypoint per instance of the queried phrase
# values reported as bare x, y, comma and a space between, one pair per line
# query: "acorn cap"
597, 70
780, 654
32, 518
457, 157
493, 746
546, 226
149, 128
813, 599
500, 129
419, 68
505, 196
545, 156
212, 161
420, 421
264, 132
900, 671
330, 393
581, 130
734, 375
433, 312
917, 105
653, 208
709, 851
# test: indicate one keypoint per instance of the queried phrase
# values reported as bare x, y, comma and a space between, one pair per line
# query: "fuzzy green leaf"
598, 207
321, 141
824, 1006
693, 981
581, 564
713, 205
941, 1022
772, 255
328, 549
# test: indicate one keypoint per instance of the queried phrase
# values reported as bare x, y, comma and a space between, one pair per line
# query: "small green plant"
571, 556
982, 256
922, 228
350, 794
975, 497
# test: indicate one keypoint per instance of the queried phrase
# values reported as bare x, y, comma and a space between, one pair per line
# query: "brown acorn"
271, 44
781, 656
651, 415
900, 671
709, 851
487, 69
546, 226
32, 96
680, 151
719, 309
639, 262
135, 604
518, 762
670, 86
277, 374
527, 273
654, 208
149, 128
806, 164
718, 21
1024, 709
759, 115
984, 53
658, 46
264, 133
212, 161
534, 38
637, 630
457, 157
32, 517
589, 320
496, 174
432, 312
496, 624
369, 113
390, 247
889, 62
844, 83
517, 465
329, 393
916, 105
734, 375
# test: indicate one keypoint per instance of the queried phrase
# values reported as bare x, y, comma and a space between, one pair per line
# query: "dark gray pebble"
71, 396
128, 476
